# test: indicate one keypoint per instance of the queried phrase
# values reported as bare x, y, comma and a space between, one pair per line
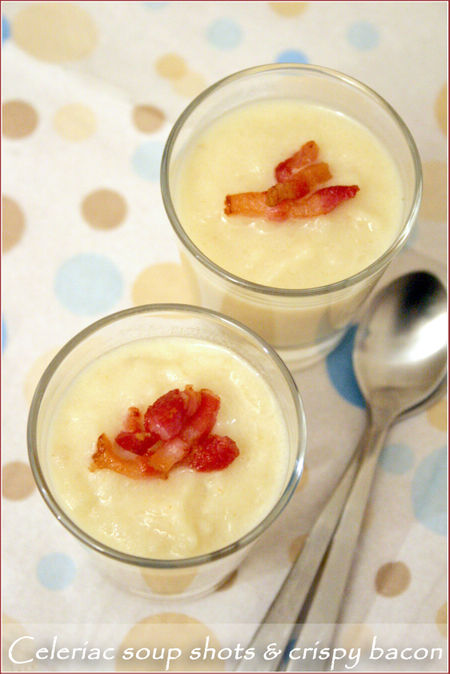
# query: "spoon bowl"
400, 346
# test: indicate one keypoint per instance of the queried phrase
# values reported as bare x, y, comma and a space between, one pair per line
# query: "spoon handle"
320, 624
276, 626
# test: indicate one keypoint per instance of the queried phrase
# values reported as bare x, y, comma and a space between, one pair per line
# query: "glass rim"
148, 562
259, 288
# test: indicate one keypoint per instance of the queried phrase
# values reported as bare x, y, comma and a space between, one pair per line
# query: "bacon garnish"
307, 154
301, 184
293, 195
168, 454
167, 415
138, 443
323, 201
204, 419
213, 452
176, 424
192, 399
133, 421
253, 204
135, 467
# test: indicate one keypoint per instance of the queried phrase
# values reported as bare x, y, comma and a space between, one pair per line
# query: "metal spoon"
399, 359
276, 626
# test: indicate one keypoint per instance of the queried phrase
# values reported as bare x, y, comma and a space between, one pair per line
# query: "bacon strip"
202, 422
166, 415
105, 457
321, 202
303, 182
307, 154
253, 204
213, 452
137, 443
168, 454
133, 421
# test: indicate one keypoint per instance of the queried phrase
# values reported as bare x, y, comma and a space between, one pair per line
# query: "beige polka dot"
392, 579
437, 415
75, 122
17, 481
440, 109
434, 199
164, 282
11, 631
168, 582
288, 9
171, 66
19, 119
228, 582
296, 547
441, 619
13, 223
190, 85
104, 209
356, 636
54, 32
147, 118
304, 479
168, 630
35, 373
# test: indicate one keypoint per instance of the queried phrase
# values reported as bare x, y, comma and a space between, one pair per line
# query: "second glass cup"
166, 537
303, 324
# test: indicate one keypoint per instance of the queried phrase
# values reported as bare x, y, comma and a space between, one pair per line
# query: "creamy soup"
190, 512
238, 153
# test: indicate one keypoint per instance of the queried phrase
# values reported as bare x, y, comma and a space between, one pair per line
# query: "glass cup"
302, 324
164, 577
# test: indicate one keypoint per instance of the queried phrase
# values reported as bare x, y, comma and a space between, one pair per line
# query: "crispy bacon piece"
105, 457
133, 438
307, 154
303, 182
253, 204
138, 443
133, 420
213, 452
202, 422
321, 202
167, 415
192, 399
168, 454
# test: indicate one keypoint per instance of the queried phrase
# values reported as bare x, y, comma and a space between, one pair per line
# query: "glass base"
300, 358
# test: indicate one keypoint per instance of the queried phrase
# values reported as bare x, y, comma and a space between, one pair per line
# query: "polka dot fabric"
90, 93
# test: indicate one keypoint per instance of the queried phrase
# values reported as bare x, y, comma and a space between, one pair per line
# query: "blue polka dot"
363, 35
4, 334
224, 33
292, 56
146, 160
397, 459
155, 5
429, 492
6, 29
340, 370
88, 284
56, 571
